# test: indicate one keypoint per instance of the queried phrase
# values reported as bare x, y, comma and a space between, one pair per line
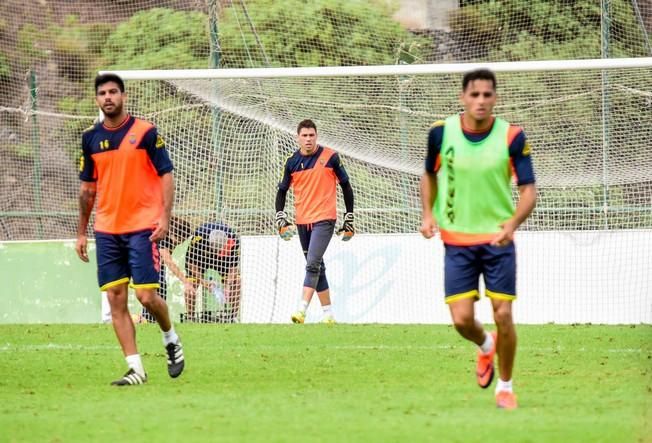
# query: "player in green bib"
466, 191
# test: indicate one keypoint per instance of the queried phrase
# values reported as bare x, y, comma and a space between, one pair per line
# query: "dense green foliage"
159, 38
321, 33
358, 383
545, 29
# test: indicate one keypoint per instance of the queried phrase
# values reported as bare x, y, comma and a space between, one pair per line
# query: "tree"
159, 38
318, 33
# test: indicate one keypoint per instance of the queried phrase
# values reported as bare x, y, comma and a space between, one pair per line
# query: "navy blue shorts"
121, 257
464, 264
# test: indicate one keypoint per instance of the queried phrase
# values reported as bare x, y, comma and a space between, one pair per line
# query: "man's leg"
121, 319
155, 304
299, 316
190, 294
463, 316
324, 294
147, 315
113, 277
506, 347
314, 244
232, 293
461, 275
144, 265
500, 281
126, 334
325, 297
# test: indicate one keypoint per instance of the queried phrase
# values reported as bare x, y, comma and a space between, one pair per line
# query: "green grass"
317, 383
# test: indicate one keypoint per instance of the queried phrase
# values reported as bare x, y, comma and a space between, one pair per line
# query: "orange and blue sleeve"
435, 138
87, 170
335, 163
157, 151
286, 179
519, 154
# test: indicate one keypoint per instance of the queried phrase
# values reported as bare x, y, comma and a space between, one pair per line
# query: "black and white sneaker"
130, 378
175, 359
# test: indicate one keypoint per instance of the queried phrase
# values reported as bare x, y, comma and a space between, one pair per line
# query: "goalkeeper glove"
347, 231
285, 229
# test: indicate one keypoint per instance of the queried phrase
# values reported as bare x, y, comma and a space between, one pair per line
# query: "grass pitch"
357, 383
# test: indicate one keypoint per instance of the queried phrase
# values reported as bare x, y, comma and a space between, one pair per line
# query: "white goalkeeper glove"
285, 229
347, 230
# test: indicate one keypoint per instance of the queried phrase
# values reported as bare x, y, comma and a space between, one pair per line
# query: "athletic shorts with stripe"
121, 257
463, 266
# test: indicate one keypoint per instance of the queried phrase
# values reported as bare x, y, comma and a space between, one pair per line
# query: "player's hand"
285, 229
428, 227
347, 231
161, 230
82, 248
506, 235
189, 289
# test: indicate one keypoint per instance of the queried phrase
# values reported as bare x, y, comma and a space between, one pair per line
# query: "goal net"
583, 255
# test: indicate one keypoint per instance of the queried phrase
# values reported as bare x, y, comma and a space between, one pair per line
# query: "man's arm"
87, 191
428, 188
281, 196
527, 199
347, 231
519, 152
161, 231
428, 184
167, 260
285, 229
347, 194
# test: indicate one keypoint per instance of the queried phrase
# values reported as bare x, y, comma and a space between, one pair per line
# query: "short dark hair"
106, 78
307, 123
478, 74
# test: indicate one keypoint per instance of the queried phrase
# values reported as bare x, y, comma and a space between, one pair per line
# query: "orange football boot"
506, 400
485, 367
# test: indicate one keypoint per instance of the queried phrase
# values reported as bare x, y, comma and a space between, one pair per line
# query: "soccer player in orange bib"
125, 164
313, 171
466, 188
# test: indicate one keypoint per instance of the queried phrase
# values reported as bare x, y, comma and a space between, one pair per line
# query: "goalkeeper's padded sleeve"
285, 229
347, 230
280, 200
347, 193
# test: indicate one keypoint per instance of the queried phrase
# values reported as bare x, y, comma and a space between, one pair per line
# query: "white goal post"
376, 70
583, 255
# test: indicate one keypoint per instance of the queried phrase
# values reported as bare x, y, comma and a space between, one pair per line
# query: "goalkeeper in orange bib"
313, 171
466, 188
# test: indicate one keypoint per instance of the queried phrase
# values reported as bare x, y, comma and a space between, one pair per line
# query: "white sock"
503, 385
327, 310
303, 305
134, 362
487, 344
106, 308
170, 336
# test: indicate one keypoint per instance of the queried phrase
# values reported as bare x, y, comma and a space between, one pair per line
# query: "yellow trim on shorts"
499, 295
470, 294
145, 286
114, 283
